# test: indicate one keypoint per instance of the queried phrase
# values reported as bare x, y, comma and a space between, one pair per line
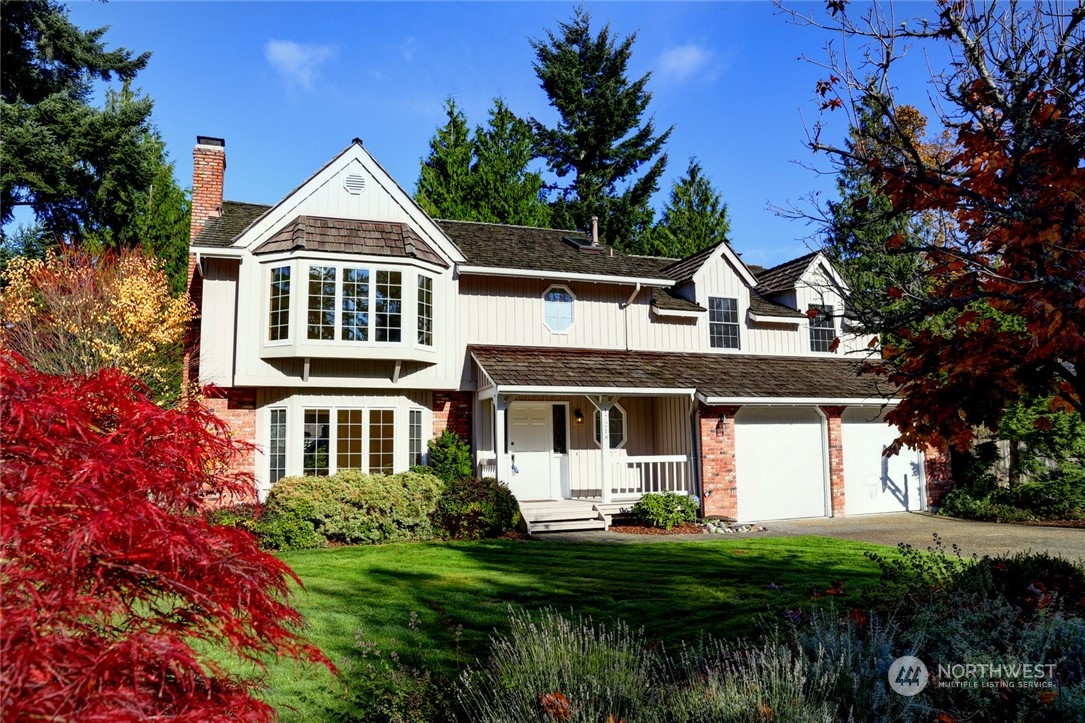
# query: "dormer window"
822, 328
723, 323
558, 309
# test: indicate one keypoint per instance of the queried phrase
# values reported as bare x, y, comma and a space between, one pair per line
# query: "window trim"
289, 296
724, 325
333, 434
596, 428
824, 311
572, 308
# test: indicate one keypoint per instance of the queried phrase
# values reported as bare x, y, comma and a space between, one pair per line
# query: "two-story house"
344, 328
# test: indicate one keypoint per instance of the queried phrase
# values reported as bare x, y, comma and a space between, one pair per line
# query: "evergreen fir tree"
442, 190
503, 190
694, 219
599, 140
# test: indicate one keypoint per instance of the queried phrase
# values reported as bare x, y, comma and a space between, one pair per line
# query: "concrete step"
566, 525
558, 514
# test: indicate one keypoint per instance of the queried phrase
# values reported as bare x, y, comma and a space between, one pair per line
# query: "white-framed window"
355, 305
349, 438
414, 438
617, 427
279, 304
388, 307
425, 310
822, 327
321, 316
277, 447
558, 309
723, 323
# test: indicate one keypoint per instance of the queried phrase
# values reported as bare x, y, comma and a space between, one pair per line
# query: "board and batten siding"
217, 318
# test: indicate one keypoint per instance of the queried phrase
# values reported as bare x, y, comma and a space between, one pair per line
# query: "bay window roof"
346, 236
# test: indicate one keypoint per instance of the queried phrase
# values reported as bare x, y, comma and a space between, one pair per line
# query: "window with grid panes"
279, 305
321, 318
822, 328
388, 306
425, 310
317, 442
355, 305
381, 441
277, 447
723, 323
414, 437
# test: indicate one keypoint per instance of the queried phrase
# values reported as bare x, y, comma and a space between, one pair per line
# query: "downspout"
625, 308
695, 450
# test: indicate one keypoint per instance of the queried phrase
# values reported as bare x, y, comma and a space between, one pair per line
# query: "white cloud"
682, 63
298, 64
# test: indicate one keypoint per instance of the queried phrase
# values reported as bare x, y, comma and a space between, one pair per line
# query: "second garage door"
873, 482
779, 463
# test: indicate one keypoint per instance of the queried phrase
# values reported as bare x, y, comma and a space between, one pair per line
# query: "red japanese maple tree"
109, 574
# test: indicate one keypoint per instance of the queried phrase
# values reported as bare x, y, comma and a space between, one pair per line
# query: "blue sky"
289, 84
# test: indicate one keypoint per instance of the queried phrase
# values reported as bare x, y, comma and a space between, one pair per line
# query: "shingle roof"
236, 217
683, 269
340, 235
784, 276
729, 376
669, 299
768, 307
541, 249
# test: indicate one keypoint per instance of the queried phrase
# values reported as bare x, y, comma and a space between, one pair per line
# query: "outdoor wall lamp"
578, 416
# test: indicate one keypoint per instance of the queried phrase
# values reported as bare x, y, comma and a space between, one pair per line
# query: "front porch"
591, 449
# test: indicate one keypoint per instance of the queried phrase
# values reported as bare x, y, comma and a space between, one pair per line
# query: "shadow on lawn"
674, 591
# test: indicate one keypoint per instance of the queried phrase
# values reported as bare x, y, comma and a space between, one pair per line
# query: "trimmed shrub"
450, 457
351, 507
471, 508
665, 509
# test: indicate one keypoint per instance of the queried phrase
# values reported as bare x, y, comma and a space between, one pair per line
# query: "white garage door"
780, 463
873, 483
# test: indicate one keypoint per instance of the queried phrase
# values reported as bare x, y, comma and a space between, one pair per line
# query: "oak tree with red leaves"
1001, 315
110, 573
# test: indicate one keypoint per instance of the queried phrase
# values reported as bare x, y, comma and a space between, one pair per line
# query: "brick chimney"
208, 169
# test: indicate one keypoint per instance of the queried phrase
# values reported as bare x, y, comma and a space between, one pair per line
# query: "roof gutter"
563, 276
796, 401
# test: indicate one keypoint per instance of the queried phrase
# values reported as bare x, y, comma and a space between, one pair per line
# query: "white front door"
530, 458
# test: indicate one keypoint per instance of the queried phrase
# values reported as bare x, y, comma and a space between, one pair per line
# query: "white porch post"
501, 404
604, 405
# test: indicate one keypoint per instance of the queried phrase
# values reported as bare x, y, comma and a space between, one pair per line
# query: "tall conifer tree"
694, 219
442, 189
600, 140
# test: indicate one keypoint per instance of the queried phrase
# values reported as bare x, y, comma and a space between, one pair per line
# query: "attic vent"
354, 183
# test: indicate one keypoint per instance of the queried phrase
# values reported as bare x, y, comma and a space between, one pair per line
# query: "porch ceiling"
717, 378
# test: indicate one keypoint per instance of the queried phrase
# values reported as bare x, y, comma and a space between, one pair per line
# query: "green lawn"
675, 591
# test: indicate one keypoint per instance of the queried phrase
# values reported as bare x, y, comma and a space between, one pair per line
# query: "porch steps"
561, 515
610, 509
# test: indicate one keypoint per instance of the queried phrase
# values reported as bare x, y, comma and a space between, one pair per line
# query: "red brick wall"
452, 410
237, 407
939, 472
836, 457
208, 171
718, 477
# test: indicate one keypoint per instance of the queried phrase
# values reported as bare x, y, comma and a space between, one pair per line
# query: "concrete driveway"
918, 529
915, 528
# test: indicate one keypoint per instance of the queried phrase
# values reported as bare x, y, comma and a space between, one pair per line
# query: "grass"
674, 591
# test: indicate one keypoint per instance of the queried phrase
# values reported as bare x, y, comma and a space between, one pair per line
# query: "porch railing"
635, 476
486, 465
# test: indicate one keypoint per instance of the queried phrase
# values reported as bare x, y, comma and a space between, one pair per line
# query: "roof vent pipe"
594, 230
